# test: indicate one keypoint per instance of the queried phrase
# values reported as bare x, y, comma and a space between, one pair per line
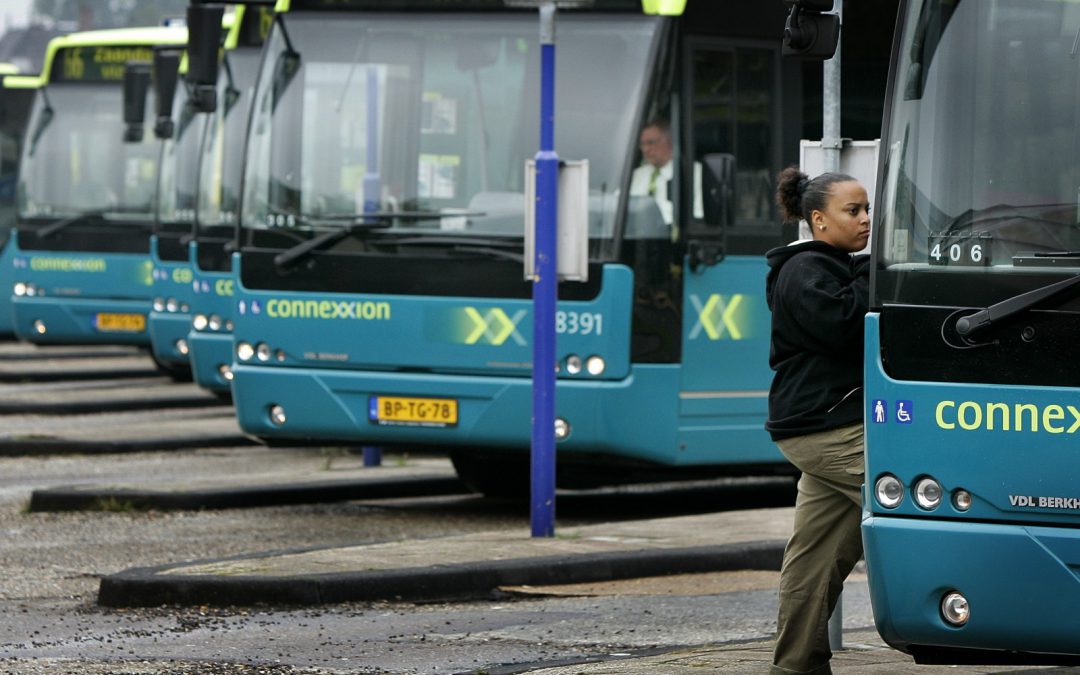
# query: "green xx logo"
495, 326
718, 316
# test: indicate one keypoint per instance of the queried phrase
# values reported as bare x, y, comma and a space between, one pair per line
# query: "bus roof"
146, 37
664, 7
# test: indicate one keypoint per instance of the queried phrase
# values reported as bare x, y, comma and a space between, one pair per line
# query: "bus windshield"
223, 150
982, 170
434, 116
179, 164
74, 160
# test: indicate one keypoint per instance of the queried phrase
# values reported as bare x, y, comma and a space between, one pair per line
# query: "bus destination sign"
97, 64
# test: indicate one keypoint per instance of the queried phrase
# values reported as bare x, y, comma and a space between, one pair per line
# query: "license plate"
408, 411
120, 323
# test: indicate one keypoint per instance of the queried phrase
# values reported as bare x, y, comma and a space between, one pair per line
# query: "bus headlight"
39, 327
244, 351
199, 322
927, 493
961, 499
955, 609
277, 415
19, 289
889, 491
562, 429
262, 351
226, 372
595, 365
181, 347
214, 322
159, 304
573, 364
172, 305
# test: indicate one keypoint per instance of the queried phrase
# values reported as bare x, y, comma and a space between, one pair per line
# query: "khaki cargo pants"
824, 547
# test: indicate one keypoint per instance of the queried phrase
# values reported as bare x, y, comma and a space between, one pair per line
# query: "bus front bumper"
628, 418
1020, 583
209, 353
81, 320
169, 337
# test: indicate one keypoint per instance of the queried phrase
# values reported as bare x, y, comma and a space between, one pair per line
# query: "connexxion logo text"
993, 416
282, 308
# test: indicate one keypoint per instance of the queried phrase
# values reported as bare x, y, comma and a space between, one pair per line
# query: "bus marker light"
279, 355
889, 491
226, 372
954, 607
573, 364
595, 365
961, 499
562, 429
928, 493
244, 351
181, 347
199, 322
262, 351
229, 325
277, 415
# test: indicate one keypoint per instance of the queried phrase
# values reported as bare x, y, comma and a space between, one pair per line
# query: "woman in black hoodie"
818, 293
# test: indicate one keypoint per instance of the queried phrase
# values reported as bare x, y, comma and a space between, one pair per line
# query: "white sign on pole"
573, 220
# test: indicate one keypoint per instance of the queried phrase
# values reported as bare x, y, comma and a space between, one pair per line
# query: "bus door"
732, 136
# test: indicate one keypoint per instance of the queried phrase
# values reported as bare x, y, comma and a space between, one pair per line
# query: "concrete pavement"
464, 566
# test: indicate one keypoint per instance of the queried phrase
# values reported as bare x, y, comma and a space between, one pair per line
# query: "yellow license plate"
120, 323
402, 410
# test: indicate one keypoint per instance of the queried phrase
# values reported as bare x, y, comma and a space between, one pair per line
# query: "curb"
62, 375
95, 406
29, 447
90, 499
148, 587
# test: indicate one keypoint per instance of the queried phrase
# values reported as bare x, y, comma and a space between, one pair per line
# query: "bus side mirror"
136, 84
204, 40
166, 74
808, 32
718, 185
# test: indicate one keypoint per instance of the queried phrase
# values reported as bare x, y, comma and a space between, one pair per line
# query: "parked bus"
81, 256
178, 175
15, 100
972, 501
380, 290
218, 208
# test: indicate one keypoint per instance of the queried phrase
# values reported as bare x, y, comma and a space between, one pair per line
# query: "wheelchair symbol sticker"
878, 411
903, 412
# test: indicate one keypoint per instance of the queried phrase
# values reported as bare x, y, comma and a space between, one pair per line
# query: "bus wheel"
494, 474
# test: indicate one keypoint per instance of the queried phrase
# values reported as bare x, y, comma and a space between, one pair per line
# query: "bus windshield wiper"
64, 223
367, 221
997, 312
95, 217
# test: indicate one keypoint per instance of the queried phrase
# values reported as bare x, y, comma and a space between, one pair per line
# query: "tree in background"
96, 14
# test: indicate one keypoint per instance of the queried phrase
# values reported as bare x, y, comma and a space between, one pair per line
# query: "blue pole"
545, 290
372, 188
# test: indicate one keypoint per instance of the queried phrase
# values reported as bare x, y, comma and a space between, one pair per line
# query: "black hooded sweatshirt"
819, 296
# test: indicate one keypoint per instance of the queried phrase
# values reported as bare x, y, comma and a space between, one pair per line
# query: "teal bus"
971, 515
15, 100
85, 199
182, 129
209, 332
380, 297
